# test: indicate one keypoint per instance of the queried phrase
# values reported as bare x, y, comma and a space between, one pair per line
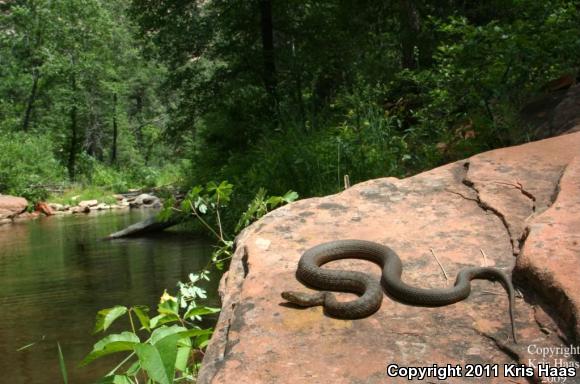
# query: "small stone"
88, 203
103, 206
56, 206
146, 200
79, 209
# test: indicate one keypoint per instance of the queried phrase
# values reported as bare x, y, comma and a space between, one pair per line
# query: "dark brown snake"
369, 290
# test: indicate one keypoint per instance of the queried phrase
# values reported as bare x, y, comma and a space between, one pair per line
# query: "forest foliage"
76, 96
296, 94
285, 95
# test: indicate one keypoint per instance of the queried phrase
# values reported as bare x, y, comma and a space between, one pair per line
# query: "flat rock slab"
480, 211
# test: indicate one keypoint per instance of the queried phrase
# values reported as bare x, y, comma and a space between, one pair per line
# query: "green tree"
73, 70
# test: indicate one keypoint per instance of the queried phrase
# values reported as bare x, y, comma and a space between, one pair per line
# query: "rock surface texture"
514, 207
11, 206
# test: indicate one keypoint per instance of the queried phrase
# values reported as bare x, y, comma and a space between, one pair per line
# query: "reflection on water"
56, 273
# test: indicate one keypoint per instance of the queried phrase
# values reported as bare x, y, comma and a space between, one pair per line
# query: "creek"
57, 272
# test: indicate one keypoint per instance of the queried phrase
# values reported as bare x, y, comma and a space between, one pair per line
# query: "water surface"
57, 272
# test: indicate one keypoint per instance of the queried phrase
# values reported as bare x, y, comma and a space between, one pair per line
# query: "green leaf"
162, 319
173, 345
194, 193
105, 317
186, 206
221, 192
290, 196
62, 365
164, 331
134, 369
200, 311
183, 352
167, 348
274, 201
115, 379
125, 341
168, 307
152, 362
141, 312
196, 333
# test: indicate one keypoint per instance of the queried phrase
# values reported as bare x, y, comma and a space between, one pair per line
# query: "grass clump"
80, 193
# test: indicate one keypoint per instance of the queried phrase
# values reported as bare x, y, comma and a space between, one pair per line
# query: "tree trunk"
297, 69
268, 47
31, 100
74, 132
410, 28
115, 133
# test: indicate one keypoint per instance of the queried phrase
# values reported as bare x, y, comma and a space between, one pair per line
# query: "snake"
310, 273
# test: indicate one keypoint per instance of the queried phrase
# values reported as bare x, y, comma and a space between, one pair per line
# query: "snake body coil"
369, 290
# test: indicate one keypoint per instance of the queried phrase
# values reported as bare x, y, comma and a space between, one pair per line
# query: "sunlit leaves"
261, 204
166, 350
124, 341
196, 313
172, 332
220, 193
142, 314
106, 317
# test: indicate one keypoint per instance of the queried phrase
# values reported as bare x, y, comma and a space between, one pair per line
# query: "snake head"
304, 299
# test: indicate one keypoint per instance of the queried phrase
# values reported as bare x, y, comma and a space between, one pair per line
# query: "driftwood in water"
151, 224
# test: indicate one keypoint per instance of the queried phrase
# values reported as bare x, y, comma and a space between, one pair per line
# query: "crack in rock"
553, 198
245, 264
486, 207
556, 191
461, 195
554, 296
517, 185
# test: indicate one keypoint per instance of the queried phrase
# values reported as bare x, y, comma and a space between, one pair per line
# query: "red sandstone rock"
11, 206
484, 205
43, 208
551, 255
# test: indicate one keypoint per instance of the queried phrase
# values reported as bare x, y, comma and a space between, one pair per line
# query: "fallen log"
151, 224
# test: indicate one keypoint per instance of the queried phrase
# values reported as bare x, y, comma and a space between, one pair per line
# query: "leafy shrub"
27, 165
163, 348
483, 74
362, 142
